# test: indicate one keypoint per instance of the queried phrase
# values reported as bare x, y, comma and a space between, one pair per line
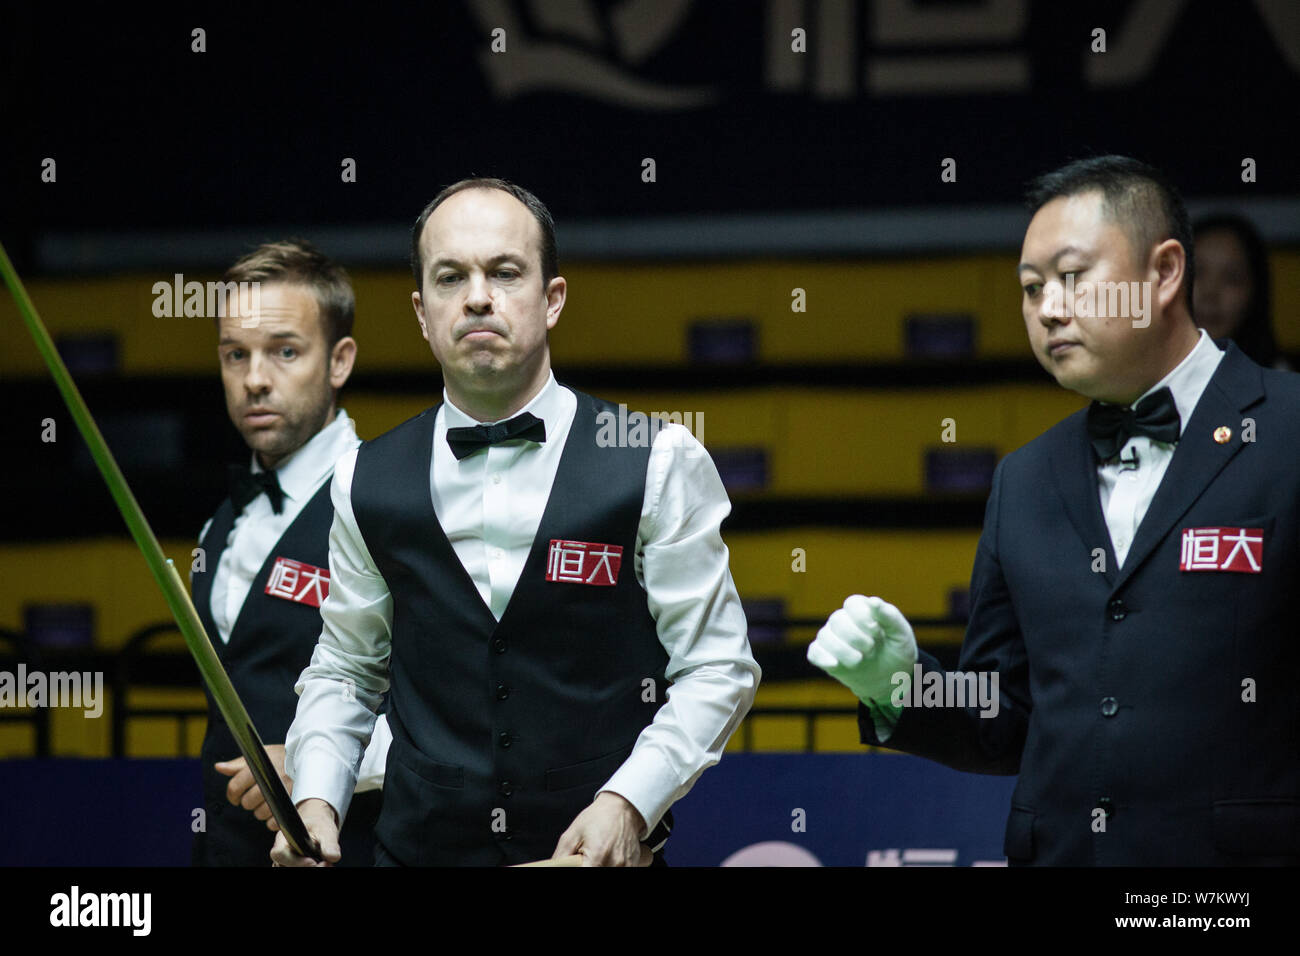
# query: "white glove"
863, 646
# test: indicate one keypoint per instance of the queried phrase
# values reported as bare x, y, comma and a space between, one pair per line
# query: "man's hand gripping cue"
323, 824
607, 833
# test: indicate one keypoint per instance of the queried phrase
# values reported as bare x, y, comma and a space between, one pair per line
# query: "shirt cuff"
646, 782
319, 774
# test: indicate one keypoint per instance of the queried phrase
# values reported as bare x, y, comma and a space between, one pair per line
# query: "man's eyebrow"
226, 340
1060, 253
508, 256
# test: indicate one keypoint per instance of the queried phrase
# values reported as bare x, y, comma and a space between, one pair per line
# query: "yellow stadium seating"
618, 313
822, 442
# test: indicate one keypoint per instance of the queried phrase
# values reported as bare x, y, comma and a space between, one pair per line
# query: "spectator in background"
1232, 297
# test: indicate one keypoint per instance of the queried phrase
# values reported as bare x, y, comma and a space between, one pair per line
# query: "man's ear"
556, 290
418, 305
1169, 262
342, 358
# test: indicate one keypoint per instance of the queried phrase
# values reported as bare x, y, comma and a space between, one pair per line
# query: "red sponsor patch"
1223, 549
298, 582
583, 562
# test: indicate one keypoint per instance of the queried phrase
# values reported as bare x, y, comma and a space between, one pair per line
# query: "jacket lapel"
1075, 473
1198, 459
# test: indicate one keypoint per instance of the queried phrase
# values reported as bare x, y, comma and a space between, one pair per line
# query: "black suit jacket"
1152, 713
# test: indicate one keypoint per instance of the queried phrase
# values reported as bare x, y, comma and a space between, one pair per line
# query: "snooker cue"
169, 580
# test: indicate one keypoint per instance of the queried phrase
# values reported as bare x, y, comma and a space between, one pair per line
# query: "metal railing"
23, 652
170, 669
141, 664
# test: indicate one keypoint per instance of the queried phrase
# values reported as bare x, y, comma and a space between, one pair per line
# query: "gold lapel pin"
1222, 434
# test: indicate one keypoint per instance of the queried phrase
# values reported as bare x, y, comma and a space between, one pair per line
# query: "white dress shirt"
257, 529
1126, 491
490, 505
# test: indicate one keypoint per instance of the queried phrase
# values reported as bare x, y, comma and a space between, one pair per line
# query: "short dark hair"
550, 254
1255, 334
298, 262
1137, 197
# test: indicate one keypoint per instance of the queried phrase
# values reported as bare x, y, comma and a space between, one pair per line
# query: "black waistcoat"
270, 644
502, 731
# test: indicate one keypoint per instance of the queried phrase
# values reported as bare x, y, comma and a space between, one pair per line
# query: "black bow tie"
466, 441
1111, 426
245, 486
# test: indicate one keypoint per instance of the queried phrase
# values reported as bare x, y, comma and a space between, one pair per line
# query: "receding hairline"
424, 229
538, 238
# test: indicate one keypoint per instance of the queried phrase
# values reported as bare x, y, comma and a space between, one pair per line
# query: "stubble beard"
276, 444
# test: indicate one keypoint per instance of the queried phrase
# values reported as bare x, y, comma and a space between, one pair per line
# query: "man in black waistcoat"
1133, 594
545, 595
285, 350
